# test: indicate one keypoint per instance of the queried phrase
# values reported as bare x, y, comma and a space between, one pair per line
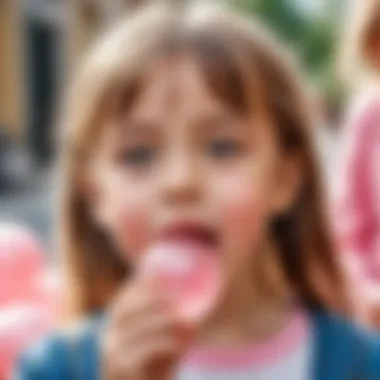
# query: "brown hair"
362, 25
239, 60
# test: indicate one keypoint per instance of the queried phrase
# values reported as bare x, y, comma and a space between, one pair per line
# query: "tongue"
190, 274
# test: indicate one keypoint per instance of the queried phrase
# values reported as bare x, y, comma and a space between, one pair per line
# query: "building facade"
40, 42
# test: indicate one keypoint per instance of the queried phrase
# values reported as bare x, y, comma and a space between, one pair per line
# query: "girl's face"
181, 157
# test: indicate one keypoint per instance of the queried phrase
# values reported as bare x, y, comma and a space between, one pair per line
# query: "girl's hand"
144, 338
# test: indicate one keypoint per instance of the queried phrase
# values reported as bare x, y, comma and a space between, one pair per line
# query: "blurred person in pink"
357, 190
29, 294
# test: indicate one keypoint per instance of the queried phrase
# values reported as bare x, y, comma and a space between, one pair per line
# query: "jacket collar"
337, 350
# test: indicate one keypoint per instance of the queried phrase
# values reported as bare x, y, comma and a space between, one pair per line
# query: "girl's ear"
287, 184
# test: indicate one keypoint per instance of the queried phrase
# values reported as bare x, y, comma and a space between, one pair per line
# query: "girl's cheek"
242, 215
124, 210
134, 231
131, 223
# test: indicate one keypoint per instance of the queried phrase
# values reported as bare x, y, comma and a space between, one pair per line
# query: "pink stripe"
259, 355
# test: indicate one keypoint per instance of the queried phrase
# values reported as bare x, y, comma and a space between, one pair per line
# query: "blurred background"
41, 41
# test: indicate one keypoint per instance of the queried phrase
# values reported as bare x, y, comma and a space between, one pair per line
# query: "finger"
156, 330
145, 354
129, 289
146, 327
141, 299
161, 323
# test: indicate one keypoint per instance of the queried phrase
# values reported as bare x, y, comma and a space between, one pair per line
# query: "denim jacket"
341, 352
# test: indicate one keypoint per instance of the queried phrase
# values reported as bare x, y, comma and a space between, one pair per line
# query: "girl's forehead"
172, 86
175, 94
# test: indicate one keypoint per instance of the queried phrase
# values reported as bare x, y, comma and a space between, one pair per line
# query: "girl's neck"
246, 315
240, 325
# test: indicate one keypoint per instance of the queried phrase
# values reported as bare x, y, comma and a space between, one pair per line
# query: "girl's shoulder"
350, 348
70, 353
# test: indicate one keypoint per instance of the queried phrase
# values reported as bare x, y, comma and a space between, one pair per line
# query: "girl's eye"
224, 148
139, 156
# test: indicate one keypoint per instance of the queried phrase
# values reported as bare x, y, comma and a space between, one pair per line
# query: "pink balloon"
20, 326
48, 290
30, 294
21, 258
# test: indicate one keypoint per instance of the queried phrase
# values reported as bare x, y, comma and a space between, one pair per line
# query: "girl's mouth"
185, 262
190, 233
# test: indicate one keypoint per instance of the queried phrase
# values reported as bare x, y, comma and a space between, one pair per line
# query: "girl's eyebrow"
135, 126
205, 122
215, 121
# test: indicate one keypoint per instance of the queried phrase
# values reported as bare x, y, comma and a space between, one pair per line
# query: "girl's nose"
180, 179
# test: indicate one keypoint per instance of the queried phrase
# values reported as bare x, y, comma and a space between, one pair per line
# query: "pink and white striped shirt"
287, 355
357, 191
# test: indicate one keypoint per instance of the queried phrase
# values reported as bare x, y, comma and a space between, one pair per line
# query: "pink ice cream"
190, 273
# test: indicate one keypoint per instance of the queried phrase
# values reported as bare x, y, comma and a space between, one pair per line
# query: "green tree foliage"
312, 38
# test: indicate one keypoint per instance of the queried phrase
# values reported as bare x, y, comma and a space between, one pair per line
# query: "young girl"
190, 125
357, 189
